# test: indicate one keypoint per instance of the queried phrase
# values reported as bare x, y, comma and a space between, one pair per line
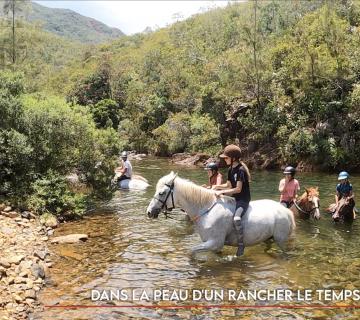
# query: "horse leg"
281, 238
268, 244
210, 245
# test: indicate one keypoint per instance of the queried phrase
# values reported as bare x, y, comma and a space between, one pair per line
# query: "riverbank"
259, 160
24, 262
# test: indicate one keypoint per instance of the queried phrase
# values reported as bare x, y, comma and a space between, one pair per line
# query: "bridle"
308, 212
164, 206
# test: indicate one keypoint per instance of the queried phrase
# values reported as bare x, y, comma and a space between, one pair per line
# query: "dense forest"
281, 79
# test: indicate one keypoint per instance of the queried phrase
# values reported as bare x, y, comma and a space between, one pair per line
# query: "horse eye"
161, 193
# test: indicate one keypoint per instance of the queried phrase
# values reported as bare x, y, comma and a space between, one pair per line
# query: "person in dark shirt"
344, 189
237, 186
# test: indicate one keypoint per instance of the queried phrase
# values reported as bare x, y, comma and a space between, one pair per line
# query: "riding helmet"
231, 151
212, 166
289, 170
124, 155
343, 175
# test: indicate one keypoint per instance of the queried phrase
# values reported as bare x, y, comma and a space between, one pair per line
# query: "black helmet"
212, 166
124, 155
290, 170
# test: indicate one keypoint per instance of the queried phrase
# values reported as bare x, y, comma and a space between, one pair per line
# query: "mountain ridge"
72, 25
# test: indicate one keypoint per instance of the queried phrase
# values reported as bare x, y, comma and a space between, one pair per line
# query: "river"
127, 251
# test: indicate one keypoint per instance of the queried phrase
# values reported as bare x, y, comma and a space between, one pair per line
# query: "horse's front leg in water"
210, 245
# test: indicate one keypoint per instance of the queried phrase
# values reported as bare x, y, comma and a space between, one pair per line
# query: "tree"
11, 7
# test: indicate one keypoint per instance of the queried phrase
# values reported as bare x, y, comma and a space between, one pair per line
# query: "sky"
135, 16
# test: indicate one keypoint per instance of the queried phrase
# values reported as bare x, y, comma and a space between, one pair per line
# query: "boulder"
70, 238
40, 254
38, 271
16, 259
12, 214
4, 263
27, 215
30, 294
190, 159
7, 209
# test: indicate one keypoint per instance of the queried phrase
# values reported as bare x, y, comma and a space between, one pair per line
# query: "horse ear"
307, 190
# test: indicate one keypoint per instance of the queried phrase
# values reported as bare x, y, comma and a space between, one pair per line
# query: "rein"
197, 218
166, 210
305, 211
164, 205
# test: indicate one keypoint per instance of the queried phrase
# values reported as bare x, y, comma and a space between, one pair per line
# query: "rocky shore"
24, 262
264, 159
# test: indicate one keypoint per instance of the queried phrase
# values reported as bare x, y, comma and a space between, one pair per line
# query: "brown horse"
344, 211
308, 204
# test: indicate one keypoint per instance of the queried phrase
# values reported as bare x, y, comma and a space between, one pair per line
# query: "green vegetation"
43, 139
282, 78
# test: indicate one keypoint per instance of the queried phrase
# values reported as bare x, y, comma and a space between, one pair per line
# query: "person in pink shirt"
288, 187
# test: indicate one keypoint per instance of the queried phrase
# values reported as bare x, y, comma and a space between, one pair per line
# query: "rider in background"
125, 170
344, 189
215, 177
288, 187
237, 186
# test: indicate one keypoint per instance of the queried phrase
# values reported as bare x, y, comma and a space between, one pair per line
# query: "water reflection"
127, 250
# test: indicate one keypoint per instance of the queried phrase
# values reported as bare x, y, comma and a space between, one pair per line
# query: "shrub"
51, 194
185, 132
174, 135
300, 145
205, 135
106, 114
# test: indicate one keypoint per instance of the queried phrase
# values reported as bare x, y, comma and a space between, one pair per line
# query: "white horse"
136, 182
264, 220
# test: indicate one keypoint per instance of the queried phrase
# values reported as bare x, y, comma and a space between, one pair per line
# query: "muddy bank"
24, 262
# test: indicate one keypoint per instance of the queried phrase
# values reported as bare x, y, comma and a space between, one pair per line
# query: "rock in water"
71, 238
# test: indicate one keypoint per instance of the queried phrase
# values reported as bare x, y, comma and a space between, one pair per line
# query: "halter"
164, 206
306, 211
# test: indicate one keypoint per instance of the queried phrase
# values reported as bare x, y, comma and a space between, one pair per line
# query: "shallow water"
127, 251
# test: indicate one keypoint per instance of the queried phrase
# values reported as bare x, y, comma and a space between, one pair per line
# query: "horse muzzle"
153, 214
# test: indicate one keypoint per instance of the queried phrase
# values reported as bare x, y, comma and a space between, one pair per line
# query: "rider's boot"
239, 228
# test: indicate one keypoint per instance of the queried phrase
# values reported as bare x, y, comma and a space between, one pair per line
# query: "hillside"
276, 77
71, 25
39, 54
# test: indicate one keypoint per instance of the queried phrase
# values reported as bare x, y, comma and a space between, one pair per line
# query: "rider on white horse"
237, 186
125, 171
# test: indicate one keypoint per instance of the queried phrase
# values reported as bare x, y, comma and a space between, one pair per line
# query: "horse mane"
313, 191
194, 193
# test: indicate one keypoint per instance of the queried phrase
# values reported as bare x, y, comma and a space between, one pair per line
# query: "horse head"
163, 198
309, 203
344, 210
